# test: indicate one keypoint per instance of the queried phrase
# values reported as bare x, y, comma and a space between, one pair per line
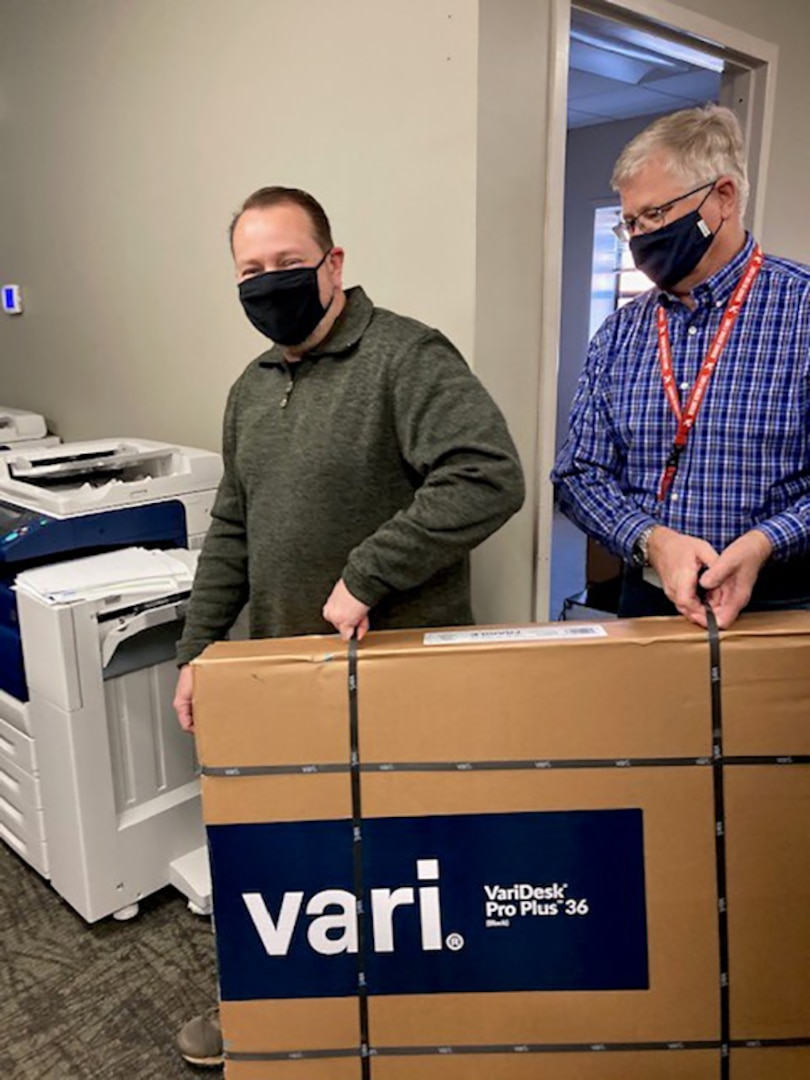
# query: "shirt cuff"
361, 587
185, 653
787, 534
628, 531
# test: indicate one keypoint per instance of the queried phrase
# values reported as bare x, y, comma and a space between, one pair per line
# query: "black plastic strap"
532, 765
719, 838
357, 838
457, 1050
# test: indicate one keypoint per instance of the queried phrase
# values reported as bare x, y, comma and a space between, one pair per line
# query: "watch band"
641, 547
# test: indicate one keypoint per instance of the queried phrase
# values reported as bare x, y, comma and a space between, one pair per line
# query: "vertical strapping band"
357, 848
720, 839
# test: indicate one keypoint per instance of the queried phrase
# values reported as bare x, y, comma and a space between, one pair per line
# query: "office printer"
20, 430
57, 503
107, 793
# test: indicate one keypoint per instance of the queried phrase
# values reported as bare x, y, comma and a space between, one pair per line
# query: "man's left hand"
730, 580
346, 613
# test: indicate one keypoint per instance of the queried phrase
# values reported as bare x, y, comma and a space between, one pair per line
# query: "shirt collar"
349, 327
717, 289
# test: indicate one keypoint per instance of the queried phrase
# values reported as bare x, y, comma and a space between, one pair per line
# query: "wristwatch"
641, 546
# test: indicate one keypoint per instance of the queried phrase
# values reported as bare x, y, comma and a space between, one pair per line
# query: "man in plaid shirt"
687, 452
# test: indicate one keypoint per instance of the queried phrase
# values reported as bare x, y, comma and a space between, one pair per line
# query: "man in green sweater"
363, 461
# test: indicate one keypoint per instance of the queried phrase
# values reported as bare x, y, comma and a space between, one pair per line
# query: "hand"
731, 579
346, 613
182, 699
679, 560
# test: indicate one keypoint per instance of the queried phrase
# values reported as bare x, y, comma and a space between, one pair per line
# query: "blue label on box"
453, 904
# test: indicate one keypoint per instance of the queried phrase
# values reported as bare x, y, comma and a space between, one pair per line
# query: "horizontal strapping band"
500, 766
522, 1048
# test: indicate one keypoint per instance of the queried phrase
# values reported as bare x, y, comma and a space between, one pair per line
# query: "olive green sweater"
378, 458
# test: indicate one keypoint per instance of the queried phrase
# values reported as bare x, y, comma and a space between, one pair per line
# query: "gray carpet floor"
99, 1002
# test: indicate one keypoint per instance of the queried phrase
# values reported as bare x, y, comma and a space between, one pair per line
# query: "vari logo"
456, 903
332, 928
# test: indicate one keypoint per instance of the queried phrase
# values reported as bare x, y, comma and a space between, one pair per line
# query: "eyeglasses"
653, 218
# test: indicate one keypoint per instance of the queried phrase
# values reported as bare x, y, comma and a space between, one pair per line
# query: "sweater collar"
347, 331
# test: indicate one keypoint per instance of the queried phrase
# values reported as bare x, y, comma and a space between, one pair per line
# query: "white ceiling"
617, 71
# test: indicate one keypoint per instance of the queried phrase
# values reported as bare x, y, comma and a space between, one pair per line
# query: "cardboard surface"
551, 735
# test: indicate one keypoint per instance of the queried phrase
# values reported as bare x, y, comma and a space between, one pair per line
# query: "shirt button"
718, 303
674, 496
692, 330
684, 386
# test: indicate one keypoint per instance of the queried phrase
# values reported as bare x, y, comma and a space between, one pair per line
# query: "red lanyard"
687, 419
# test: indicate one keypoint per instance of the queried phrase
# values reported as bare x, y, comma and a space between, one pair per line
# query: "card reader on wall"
12, 300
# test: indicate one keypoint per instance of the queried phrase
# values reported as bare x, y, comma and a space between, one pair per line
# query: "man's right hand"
182, 699
679, 561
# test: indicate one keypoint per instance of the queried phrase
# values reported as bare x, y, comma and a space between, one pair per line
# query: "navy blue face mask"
670, 254
284, 305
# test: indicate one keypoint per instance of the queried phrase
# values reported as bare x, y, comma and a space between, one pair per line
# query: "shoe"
200, 1040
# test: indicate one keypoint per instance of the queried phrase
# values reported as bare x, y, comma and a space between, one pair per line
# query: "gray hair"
699, 145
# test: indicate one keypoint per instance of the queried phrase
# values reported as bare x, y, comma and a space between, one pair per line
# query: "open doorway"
623, 71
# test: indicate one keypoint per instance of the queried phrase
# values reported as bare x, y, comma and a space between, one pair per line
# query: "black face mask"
284, 305
671, 253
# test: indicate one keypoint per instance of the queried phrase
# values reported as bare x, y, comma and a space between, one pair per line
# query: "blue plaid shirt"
747, 461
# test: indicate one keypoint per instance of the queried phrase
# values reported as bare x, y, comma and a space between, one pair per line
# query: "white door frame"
752, 98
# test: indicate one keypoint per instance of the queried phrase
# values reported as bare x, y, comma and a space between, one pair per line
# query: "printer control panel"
28, 536
16, 522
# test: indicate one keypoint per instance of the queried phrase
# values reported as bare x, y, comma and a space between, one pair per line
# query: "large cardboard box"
572, 866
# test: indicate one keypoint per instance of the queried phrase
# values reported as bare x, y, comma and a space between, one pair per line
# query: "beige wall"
786, 23
129, 130
514, 39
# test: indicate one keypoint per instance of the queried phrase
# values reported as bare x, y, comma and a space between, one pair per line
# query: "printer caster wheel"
124, 914
195, 909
